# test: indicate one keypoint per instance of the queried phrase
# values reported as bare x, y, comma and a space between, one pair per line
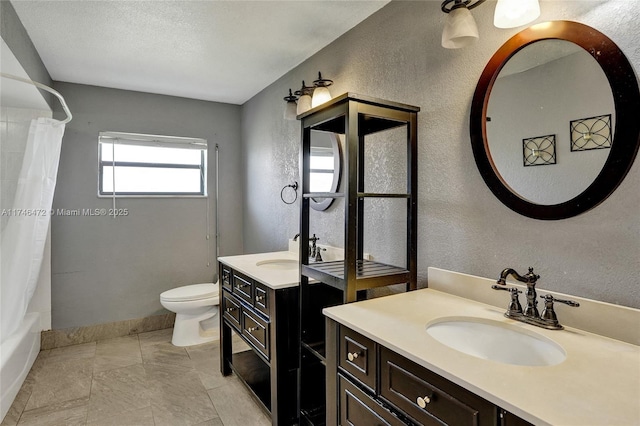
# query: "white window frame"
136, 139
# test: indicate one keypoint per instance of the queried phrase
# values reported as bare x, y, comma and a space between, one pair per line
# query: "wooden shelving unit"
331, 283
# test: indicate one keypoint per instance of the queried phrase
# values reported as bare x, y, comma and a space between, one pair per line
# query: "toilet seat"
190, 293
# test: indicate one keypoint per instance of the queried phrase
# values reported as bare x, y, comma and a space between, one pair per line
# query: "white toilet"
196, 308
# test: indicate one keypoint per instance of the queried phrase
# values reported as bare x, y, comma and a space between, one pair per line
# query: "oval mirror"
552, 120
325, 164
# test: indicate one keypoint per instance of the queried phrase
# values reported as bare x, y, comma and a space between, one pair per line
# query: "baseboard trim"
51, 339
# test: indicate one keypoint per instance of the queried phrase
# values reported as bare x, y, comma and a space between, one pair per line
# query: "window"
150, 165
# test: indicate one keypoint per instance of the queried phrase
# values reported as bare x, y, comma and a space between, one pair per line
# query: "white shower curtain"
25, 233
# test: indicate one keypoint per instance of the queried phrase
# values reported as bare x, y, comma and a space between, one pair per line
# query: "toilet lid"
191, 292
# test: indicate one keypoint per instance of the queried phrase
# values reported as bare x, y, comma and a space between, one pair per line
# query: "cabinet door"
359, 409
428, 398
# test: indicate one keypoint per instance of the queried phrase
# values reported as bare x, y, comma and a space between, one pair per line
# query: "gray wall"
106, 269
16, 37
396, 55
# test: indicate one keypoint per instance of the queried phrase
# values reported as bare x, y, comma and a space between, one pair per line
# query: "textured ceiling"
224, 51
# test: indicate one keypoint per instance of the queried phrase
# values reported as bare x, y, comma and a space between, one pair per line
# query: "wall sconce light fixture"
460, 29
321, 92
304, 98
291, 108
302, 101
514, 13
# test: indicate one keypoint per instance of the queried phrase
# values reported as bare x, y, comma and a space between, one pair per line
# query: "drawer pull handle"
352, 356
239, 286
422, 401
259, 298
231, 309
252, 329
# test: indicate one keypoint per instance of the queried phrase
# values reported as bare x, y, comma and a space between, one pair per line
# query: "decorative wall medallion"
591, 133
539, 151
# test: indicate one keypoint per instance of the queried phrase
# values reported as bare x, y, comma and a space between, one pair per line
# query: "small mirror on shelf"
325, 165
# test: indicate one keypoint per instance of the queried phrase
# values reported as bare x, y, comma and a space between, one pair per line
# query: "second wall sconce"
307, 97
460, 28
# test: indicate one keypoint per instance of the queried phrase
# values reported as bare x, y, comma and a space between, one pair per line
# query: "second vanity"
386, 368
259, 300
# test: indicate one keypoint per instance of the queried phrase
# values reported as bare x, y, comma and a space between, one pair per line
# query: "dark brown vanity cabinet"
379, 386
365, 123
266, 319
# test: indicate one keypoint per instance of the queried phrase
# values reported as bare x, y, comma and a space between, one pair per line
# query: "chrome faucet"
530, 315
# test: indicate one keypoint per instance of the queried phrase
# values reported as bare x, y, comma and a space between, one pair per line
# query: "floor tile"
60, 381
139, 417
117, 353
138, 380
67, 413
72, 353
178, 397
154, 337
235, 406
119, 390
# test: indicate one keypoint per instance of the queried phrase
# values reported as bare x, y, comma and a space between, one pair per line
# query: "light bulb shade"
460, 29
290, 111
515, 13
304, 104
320, 95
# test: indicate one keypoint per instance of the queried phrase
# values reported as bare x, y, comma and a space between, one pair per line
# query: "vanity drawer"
231, 309
243, 287
261, 298
358, 357
359, 409
256, 330
225, 277
428, 398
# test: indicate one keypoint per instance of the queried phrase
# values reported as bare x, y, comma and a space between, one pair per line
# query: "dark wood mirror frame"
624, 87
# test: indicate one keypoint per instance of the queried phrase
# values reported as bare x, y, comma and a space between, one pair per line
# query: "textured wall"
106, 269
396, 55
16, 37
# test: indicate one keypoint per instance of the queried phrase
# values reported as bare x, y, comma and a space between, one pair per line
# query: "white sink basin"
278, 264
496, 341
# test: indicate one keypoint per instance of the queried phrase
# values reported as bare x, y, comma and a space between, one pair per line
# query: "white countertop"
272, 278
597, 384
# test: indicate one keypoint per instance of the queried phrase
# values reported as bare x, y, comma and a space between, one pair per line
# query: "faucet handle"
550, 298
514, 309
548, 316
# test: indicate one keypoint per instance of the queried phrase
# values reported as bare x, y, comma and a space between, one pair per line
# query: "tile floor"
135, 380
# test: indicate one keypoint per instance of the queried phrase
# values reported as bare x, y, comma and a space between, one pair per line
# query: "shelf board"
323, 195
317, 349
380, 195
369, 274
